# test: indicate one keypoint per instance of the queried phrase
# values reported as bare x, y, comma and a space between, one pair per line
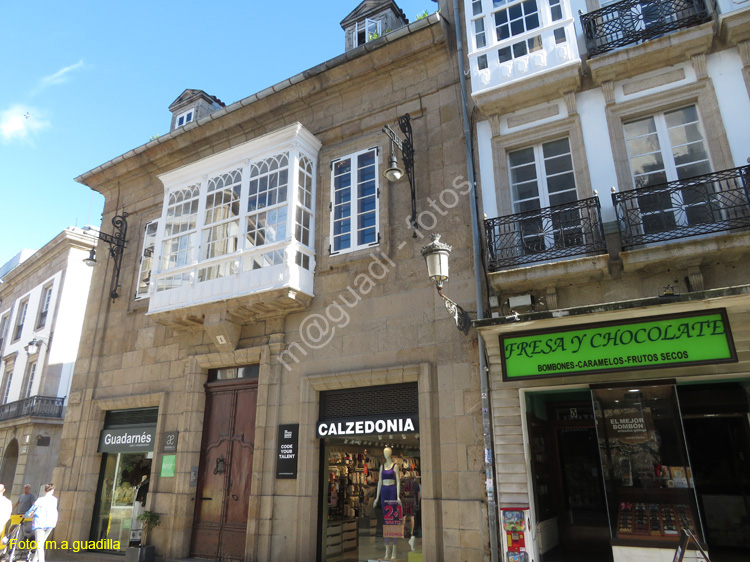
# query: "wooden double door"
225, 472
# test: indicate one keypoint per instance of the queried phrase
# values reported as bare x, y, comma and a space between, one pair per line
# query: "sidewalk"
89, 556
82, 556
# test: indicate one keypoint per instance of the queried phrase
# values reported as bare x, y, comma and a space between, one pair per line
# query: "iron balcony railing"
570, 229
39, 406
632, 21
694, 206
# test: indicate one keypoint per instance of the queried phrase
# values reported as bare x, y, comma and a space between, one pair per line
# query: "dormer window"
184, 118
366, 31
371, 20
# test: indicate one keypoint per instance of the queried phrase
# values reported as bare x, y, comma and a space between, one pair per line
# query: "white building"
42, 306
613, 143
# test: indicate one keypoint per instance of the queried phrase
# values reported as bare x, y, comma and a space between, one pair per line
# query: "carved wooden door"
225, 473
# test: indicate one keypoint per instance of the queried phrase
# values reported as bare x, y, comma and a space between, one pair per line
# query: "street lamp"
116, 243
436, 255
32, 348
393, 172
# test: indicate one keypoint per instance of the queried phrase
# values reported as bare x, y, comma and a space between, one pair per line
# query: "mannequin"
389, 486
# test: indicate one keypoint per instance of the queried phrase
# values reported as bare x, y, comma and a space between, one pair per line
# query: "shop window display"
355, 526
123, 487
648, 479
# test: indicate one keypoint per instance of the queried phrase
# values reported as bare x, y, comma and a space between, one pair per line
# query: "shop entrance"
127, 443
715, 418
569, 498
226, 466
370, 449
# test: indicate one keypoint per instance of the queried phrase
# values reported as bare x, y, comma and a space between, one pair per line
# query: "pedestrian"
6, 508
44, 513
25, 500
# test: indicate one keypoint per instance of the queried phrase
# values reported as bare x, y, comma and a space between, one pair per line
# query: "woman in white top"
44, 512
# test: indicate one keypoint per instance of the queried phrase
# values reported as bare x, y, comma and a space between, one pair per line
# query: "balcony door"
542, 176
667, 147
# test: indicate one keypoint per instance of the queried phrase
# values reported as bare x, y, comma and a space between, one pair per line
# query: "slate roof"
370, 7
191, 94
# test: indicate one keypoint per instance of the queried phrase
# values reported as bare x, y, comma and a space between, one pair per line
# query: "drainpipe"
483, 371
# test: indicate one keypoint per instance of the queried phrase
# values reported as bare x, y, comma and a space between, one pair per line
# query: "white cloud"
58, 77
20, 123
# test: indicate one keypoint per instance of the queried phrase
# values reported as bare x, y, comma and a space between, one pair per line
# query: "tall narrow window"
222, 219
4, 322
29, 379
354, 202
267, 209
7, 374
479, 36
20, 319
303, 215
667, 147
147, 259
542, 176
44, 307
180, 236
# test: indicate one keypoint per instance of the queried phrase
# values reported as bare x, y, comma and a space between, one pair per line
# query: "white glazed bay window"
238, 223
513, 39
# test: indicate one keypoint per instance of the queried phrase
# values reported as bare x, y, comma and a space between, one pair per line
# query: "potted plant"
144, 553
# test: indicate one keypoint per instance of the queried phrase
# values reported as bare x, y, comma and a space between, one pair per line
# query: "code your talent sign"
677, 339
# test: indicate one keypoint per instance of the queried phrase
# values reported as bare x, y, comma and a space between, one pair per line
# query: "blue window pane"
367, 236
343, 196
367, 189
341, 243
504, 55
341, 212
532, 22
501, 17
515, 11
366, 205
367, 159
341, 227
516, 27
366, 221
342, 167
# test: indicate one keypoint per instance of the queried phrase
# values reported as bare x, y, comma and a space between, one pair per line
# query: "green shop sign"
662, 341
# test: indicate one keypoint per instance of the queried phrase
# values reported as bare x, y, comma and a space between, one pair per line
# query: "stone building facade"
272, 289
42, 306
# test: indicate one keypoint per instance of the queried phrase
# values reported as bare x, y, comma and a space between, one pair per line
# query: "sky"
84, 82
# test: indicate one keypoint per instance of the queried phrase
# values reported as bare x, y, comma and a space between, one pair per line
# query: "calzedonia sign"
659, 341
371, 425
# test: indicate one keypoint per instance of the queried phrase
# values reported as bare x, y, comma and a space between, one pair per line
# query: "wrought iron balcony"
633, 21
38, 406
699, 205
571, 229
